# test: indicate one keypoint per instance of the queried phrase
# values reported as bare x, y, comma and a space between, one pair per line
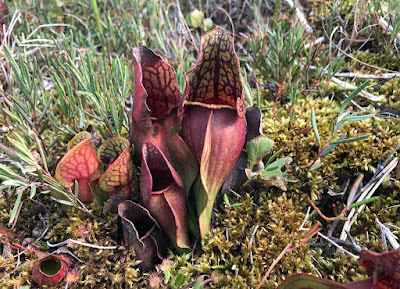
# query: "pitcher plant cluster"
185, 143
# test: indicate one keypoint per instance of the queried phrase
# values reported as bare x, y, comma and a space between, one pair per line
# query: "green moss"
227, 250
225, 256
385, 61
100, 268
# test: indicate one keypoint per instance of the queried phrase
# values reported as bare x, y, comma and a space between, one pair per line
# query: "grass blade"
353, 95
314, 127
351, 139
16, 206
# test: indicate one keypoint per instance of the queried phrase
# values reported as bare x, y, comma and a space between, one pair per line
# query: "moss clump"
15, 273
386, 211
115, 268
346, 160
337, 266
386, 61
246, 240
391, 90
101, 268
226, 252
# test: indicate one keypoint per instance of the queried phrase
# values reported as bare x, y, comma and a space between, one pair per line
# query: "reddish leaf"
50, 270
80, 164
253, 130
157, 80
162, 192
9, 233
385, 265
181, 158
155, 101
119, 178
305, 281
142, 232
111, 149
223, 143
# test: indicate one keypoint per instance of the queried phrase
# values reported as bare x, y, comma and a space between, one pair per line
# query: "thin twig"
387, 234
300, 15
346, 85
346, 244
305, 220
81, 243
230, 19
251, 242
368, 76
64, 250
276, 261
311, 233
333, 227
379, 168
329, 219
337, 245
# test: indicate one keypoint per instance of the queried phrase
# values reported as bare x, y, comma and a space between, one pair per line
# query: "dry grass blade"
300, 14
63, 243
368, 192
365, 94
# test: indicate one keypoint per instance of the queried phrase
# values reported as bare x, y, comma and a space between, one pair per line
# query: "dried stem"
329, 219
276, 261
367, 193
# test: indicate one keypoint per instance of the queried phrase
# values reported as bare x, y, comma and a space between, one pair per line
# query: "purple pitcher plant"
186, 144
210, 113
168, 167
84, 166
214, 126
